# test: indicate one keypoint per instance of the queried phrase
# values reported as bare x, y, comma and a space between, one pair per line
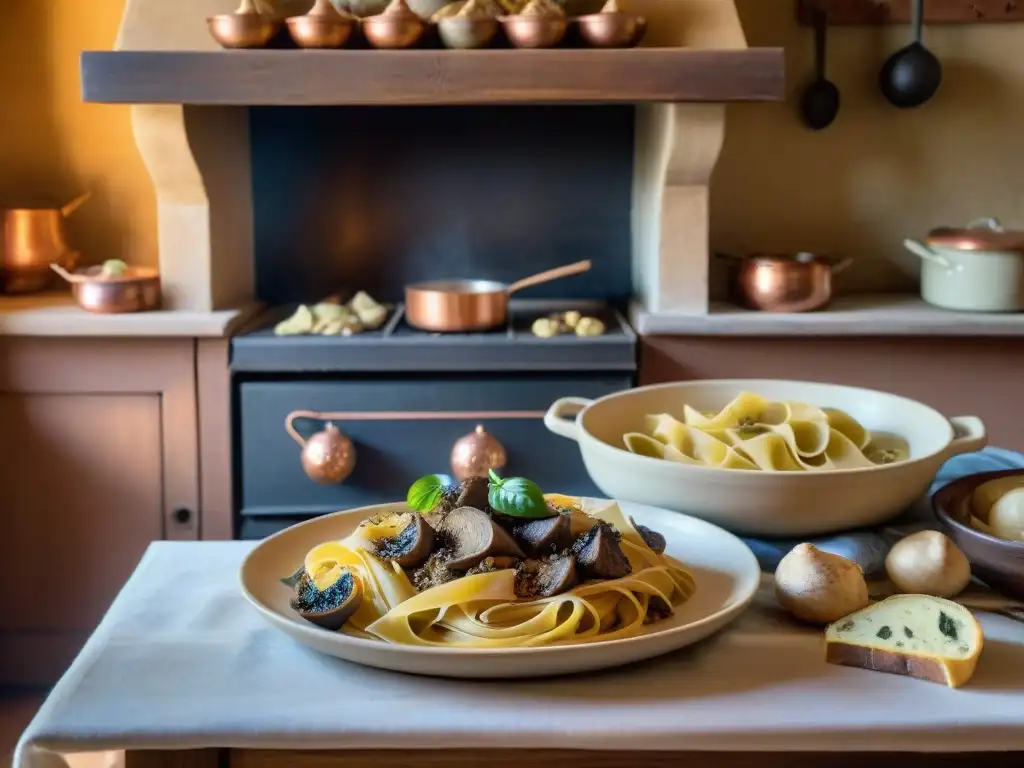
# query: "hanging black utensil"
912, 75
820, 103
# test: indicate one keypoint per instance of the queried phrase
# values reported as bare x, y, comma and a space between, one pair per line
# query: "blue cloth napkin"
868, 548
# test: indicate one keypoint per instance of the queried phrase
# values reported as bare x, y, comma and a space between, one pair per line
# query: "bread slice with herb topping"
916, 635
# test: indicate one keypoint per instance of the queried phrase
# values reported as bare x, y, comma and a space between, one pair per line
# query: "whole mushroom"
928, 563
819, 587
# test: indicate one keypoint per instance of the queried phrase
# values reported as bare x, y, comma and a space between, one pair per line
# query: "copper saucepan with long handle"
447, 306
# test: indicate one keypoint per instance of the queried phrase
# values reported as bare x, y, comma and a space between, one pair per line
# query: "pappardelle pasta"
491, 564
754, 433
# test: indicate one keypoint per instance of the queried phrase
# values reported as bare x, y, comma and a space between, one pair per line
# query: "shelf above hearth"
872, 315
309, 78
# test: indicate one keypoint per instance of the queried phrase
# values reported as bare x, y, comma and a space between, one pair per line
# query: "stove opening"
371, 198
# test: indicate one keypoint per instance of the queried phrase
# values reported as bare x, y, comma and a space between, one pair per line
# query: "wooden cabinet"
99, 456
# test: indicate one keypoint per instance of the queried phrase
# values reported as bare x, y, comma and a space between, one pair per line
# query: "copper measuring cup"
446, 306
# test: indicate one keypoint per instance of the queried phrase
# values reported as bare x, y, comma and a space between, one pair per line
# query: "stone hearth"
199, 160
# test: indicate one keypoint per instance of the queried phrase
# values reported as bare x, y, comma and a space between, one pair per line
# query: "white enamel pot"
764, 503
978, 269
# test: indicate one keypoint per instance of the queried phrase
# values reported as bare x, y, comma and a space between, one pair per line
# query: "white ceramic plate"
726, 572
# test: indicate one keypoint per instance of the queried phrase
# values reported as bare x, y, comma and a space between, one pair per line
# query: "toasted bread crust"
885, 661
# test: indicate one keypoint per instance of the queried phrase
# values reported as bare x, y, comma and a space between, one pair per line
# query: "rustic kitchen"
398, 303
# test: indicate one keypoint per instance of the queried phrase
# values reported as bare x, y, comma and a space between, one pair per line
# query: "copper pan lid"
981, 235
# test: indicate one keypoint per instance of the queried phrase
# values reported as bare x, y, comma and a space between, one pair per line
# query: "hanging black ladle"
912, 75
820, 103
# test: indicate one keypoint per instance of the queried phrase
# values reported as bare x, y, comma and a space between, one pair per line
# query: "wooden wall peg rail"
874, 12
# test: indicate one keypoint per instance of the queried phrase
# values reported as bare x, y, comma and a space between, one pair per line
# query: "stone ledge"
57, 314
867, 315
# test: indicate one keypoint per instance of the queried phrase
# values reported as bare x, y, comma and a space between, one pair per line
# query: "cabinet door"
81, 497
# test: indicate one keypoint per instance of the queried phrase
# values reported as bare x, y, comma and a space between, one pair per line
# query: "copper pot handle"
988, 222
841, 265
289, 424
68, 208
70, 277
549, 275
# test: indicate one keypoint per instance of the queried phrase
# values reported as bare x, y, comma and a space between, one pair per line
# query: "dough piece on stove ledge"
920, 636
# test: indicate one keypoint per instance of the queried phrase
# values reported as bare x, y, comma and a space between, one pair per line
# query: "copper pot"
612, 30
137, 289
448, 306
784, 283
35, 238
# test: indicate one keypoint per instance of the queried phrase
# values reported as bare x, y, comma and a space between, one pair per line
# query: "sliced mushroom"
409, 547
491, 564
657, 608
599, 555
546, 536
329, 599
448, 502
652, 539
472, 535
473, 493
545, 578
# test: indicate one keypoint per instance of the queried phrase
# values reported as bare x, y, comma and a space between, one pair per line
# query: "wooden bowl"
394, 30
243, 30
612, 30
535, 31
311, 31
461, 32
998, 562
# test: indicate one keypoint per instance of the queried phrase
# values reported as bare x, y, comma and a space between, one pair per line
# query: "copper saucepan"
784, 283
446, 306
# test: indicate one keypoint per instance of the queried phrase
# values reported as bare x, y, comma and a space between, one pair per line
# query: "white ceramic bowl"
764, 503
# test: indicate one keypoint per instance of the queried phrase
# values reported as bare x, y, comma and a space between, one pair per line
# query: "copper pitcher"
35, 238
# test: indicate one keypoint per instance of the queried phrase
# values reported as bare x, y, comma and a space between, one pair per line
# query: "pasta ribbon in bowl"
764, 457
754, 433
491, 563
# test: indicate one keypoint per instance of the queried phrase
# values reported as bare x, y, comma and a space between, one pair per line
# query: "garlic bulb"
819, 587
928, 563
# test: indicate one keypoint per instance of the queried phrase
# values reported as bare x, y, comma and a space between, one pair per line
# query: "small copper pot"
245, 28
799, 283
34, 238
535, 31
446, 306
612, 30
323, 27
136, 290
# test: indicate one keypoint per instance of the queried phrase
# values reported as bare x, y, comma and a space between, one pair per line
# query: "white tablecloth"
181, 661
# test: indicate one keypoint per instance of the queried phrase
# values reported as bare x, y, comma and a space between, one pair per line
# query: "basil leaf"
517, 497
426, 492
